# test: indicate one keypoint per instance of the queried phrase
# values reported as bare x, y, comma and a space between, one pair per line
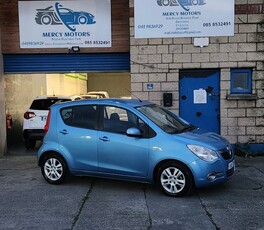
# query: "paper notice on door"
199, 96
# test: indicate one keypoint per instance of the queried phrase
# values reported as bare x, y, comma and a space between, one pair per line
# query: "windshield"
166, 120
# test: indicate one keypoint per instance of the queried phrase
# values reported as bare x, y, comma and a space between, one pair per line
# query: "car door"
119, 154
78, 135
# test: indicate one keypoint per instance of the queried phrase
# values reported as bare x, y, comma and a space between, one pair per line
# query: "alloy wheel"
53, 169
172, 180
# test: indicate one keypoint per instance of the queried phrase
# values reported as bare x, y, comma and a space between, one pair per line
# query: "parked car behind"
83, 97
35, 118
99, 94
132, 140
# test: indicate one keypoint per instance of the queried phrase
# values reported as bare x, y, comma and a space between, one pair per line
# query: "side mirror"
133, 132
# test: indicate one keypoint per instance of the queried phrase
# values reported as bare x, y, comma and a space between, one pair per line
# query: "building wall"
158, 61
116, 84
2, 108
66, 84
21, 89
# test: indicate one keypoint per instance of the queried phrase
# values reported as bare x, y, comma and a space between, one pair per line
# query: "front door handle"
104, 138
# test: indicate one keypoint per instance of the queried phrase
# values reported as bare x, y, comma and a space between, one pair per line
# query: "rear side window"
80, 116
44, 104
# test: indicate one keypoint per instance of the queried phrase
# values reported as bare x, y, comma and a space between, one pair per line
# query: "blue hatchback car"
132, 140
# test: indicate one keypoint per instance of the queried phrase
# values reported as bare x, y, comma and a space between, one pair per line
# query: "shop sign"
183, 18
65, 24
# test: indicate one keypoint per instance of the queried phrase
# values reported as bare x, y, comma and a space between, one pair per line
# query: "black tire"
30, 144
175, 179
54, 169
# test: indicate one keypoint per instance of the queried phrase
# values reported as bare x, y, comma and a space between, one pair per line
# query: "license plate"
231, 164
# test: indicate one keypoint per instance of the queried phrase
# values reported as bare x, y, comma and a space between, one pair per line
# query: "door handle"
104, 139
64, 132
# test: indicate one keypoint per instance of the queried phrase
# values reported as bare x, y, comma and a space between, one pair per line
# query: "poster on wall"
64, 24
183, 18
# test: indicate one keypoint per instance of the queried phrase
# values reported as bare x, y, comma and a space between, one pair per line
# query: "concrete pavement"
28, 202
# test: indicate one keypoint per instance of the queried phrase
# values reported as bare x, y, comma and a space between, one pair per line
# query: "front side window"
118, 120
241, 81
165, 119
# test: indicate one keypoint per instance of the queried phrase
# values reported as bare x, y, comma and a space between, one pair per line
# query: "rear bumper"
33, 134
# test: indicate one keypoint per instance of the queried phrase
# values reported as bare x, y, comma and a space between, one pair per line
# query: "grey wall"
116, 84
2, 108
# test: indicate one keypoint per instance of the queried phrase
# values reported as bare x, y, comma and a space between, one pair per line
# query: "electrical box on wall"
167, 99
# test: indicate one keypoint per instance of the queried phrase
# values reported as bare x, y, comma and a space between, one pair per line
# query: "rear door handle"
104, 138
64, 132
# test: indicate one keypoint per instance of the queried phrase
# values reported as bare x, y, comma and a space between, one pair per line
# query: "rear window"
44, 104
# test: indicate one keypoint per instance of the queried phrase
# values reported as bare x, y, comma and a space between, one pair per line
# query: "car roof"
108, 101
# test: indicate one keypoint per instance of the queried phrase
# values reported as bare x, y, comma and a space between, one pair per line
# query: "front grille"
226, 153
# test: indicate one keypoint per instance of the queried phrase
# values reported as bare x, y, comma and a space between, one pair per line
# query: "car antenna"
134, 95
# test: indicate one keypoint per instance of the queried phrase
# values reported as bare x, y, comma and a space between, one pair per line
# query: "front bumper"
206, 173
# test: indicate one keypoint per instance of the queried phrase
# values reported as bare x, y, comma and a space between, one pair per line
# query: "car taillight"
28, 115
46, 127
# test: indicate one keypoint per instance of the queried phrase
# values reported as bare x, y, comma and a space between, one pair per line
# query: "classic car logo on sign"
59, 15
183, 3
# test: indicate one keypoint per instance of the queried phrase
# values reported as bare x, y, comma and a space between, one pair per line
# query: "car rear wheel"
54, 169
175, 179
46, 20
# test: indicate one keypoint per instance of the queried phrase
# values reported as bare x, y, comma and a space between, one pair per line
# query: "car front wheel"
54, 169
175, 179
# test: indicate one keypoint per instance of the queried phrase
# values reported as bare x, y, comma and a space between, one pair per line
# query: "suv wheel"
175, 179
54, 169
30, 144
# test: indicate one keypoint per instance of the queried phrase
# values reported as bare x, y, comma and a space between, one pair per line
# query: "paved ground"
28, 202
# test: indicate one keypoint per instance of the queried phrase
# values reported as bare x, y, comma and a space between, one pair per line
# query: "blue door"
200, 98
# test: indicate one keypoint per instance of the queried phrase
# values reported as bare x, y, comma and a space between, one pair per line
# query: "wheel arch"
156, 169
48, 153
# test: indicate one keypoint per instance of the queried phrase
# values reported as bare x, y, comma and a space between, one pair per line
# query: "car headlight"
203, 153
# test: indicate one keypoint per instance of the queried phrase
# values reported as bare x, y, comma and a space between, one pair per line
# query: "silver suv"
35, 118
